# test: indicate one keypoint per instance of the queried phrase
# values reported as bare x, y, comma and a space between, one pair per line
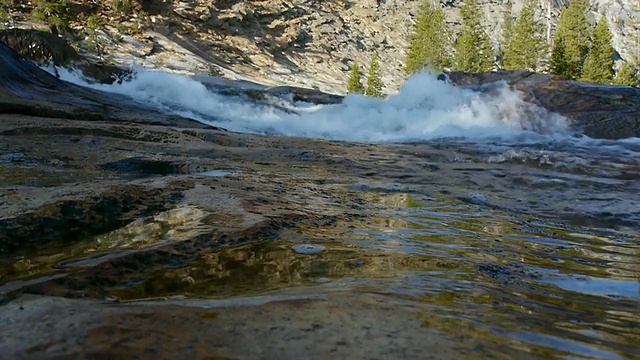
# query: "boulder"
598, 111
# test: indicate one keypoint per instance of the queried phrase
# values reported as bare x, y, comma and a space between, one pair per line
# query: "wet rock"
599, 111
143, 166
47, 48
103, 73
476, 198
68, 220
40, 46
306, 95
28, 90
388, 187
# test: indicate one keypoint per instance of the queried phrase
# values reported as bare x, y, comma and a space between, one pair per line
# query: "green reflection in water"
274, 265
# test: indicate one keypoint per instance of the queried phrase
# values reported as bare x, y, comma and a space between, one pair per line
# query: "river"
486, 217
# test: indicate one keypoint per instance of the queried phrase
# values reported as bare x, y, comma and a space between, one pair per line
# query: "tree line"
374, 80
579, 51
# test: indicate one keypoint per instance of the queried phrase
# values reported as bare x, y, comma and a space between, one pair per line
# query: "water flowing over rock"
599, 111
27, 89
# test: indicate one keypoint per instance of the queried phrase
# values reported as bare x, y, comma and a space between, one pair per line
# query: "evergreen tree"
558, 65
598, 66
634, 42
123, 6
627, 75
5, 11
428, 41
573, 33
374, 81
473, 48
355, 84
54, 12
4, 16
527, 46
507, 28
94, 42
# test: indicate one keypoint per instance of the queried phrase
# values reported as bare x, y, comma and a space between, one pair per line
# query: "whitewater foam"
425, 108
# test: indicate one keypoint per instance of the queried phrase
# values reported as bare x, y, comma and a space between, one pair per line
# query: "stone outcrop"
47, 48
599, 111
40, 46
26, 89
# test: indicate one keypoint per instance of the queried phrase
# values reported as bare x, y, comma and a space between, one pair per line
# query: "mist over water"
424, 108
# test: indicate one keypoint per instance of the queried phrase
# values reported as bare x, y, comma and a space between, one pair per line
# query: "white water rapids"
424, 109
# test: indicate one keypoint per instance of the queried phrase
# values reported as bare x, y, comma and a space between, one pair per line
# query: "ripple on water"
513, 285
215, 173
559, 290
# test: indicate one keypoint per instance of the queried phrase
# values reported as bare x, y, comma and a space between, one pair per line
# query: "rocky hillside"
298, 42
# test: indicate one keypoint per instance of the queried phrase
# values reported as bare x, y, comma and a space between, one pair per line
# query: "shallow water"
516, 285
546, 263
534, 248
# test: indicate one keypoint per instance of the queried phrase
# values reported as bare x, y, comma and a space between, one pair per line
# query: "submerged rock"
599, 111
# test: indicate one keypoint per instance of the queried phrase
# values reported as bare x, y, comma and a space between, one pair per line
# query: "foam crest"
425, 108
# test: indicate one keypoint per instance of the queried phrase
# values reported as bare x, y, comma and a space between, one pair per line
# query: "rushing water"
425, 108
553, 271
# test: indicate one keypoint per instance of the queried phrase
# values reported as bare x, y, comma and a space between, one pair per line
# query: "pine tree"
54, 12
4, 16
374, 81
123, 6
5, 13
558, 65
507, 28
527, 46
598, 66
573, 33
428, 41
633, 40
473, 48
627, 75
355, 84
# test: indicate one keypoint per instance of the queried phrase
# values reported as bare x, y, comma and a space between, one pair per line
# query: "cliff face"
307, 42
314, 43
